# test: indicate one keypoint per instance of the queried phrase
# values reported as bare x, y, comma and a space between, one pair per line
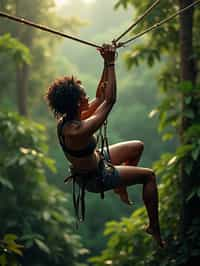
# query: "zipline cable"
157, 25
44, 28
138, 20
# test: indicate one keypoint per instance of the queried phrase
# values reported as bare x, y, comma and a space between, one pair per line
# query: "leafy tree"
16, 50
39, 43
30, 207
12, 51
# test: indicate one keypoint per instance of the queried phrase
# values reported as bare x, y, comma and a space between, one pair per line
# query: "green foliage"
15, 49
129, 245
141, 52
9, 249
13, 55
156, 43
34, 210
40, 44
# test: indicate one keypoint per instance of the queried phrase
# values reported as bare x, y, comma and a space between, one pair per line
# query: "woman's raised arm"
93, 123
104, 82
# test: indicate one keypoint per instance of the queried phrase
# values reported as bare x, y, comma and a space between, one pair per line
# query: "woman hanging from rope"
78, 120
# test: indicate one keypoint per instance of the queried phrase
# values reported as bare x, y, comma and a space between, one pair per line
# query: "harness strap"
78, 200
106, 141
82, 197
75, 200
79, 197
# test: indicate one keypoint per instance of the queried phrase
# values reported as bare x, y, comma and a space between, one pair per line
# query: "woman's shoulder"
71, 128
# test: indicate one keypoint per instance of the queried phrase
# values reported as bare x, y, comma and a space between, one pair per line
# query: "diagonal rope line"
138, 20
44, 28
157, 25
120, 44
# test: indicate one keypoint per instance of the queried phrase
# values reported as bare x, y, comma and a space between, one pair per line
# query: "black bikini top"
88, 150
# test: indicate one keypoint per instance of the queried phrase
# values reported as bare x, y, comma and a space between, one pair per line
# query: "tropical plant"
31, 208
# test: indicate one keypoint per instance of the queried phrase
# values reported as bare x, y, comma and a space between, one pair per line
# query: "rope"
138, 20
117, 45
44, 28
157, 25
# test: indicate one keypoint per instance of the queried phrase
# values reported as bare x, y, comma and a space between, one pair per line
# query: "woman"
79, 119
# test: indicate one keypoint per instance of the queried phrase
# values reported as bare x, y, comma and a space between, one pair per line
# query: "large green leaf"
6, 183
42, 246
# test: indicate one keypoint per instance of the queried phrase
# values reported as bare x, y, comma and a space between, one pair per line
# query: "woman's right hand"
108, 52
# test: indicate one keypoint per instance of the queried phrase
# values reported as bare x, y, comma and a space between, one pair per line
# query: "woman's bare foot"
122, 192
156, 235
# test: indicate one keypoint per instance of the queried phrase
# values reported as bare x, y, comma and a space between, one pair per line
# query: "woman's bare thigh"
126, 151
132, 175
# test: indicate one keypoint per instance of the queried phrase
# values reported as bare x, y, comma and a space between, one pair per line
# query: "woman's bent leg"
137, 175
126, 153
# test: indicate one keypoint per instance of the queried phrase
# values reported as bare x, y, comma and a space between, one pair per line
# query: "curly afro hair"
63, 96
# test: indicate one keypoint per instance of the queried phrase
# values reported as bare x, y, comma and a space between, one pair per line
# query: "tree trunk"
22, 72
190, 209
21, 85
187, 70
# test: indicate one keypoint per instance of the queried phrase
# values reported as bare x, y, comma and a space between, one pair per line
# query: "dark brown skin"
125, 156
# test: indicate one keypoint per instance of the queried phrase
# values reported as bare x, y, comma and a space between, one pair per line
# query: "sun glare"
89, 1
62, 2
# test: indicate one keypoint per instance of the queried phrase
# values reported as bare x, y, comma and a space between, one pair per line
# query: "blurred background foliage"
38, 209
31, 208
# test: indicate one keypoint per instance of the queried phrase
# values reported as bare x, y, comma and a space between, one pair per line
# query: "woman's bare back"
76, 142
